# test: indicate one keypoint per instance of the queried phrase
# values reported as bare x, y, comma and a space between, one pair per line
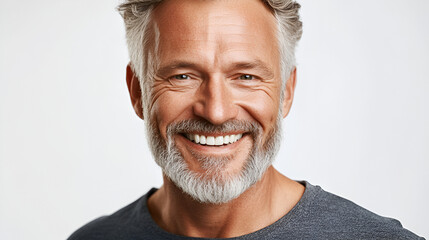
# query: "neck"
261, 205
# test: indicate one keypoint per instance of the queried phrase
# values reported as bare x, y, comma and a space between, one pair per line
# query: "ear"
289, 91
135, 91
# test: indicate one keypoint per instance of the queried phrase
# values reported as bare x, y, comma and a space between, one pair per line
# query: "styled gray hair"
142, 47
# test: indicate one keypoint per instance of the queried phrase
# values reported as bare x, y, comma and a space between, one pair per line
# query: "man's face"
218, 79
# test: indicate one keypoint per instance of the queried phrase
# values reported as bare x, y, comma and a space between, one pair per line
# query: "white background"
72, 149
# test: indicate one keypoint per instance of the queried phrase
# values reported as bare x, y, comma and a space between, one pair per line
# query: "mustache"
200, 125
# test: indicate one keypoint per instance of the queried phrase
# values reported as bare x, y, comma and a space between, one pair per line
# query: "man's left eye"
182, 77
246, 77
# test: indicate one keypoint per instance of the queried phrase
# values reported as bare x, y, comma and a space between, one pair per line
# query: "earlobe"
134, 91
289, 93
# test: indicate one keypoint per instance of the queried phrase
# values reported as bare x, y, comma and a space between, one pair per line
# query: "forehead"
216, 29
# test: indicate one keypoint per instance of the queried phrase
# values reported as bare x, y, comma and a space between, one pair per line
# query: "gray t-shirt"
318, 215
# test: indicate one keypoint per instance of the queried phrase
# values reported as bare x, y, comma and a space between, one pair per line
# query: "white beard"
214, 186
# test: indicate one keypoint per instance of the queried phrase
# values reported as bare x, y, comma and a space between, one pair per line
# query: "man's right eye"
181, 77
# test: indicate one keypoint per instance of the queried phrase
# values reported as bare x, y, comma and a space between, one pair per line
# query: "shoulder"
130, 222
96, 229
342, 217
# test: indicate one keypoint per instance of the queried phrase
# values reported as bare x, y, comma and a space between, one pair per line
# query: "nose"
216, 102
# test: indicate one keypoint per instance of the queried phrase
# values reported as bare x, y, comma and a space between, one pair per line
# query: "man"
213, 79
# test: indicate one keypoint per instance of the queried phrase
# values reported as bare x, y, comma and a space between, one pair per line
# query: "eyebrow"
242, 65
163, 70
257, 65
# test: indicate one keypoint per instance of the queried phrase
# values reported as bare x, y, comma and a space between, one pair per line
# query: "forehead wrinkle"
213, 37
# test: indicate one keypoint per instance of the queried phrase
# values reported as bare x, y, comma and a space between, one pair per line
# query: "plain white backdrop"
72, 149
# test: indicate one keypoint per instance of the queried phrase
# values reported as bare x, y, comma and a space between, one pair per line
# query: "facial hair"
215, 186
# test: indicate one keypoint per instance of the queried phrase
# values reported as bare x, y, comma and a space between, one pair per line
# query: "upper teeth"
214, 140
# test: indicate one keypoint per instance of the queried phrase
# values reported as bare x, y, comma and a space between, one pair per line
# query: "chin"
211, 184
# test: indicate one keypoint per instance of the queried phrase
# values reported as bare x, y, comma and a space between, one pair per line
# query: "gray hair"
142, 47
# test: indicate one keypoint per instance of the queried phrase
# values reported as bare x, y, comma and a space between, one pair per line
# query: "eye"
246, 77
181, 77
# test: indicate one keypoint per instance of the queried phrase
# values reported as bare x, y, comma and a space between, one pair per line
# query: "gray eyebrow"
256, 64
176, 65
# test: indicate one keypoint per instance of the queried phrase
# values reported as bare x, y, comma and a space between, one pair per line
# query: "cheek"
170, 107
262, 107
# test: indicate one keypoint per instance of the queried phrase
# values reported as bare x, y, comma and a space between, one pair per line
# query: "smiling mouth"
213, 140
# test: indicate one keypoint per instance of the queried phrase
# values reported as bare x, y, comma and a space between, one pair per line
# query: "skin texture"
218, 61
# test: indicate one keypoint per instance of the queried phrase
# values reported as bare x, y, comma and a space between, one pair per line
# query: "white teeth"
231, 138
210, 140
214, 140
203, 139
219, 140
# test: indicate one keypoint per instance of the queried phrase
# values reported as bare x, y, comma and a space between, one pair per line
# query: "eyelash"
181, 75
246, 75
